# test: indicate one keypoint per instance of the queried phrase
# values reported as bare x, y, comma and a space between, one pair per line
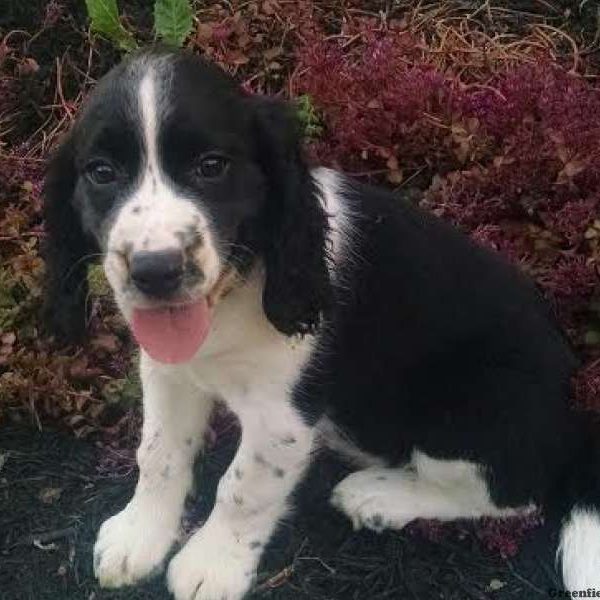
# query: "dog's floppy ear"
67, 251
297, 288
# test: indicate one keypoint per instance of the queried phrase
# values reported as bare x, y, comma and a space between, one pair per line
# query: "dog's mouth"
173, 333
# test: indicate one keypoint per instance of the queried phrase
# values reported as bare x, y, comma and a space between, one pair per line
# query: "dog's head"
177, 178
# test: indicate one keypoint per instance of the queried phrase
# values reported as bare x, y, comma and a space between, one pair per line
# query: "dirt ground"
52, 501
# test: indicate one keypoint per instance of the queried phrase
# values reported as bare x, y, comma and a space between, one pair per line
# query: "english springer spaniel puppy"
321, 311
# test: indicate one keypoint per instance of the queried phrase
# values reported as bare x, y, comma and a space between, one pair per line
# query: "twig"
566, 36
276, 580
45, 537
60, 90
320, 561
522, 579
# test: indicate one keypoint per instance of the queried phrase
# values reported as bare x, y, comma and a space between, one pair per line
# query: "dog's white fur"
380, 498
579, 549
251, 366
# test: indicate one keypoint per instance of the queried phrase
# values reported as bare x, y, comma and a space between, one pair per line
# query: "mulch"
53, 499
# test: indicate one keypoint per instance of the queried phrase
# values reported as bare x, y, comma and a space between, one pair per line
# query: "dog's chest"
245, 359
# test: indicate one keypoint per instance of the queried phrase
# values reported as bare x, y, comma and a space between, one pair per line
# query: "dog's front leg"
133, 543
219, 561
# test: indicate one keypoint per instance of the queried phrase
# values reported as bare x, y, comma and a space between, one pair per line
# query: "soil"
53, 500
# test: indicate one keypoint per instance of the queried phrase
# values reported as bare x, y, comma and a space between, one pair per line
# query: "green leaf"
173, 20
591, 338
104, 16
309, 118
97, 281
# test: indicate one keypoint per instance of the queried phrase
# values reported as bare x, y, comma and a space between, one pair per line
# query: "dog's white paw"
213, 565
368, 500
130, 546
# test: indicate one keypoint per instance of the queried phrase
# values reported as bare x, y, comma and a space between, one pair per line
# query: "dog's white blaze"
156, 216
147, 104
164, 213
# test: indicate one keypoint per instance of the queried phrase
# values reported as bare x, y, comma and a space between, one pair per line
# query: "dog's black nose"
157, 273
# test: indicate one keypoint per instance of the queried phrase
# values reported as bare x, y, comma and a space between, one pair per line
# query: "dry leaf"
268, 7
106, 341
28, 66
563, 153
204, 32
45, 547
392, 163
272, 53
50, 495
574, 167
396, 177
244, 40
237, 57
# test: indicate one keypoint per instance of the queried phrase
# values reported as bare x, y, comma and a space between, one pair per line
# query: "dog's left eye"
212, 166
101, 172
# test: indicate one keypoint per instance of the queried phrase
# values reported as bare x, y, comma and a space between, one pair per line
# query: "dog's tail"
579, 546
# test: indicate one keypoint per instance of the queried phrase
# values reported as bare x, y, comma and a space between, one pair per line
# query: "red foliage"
571, 281
499, 536
587, 384
375, 100
506, 535
53, 13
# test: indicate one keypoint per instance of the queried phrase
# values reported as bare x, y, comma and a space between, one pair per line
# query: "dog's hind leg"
426, 488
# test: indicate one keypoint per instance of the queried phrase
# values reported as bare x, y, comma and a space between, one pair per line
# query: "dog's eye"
213, 166
101, 172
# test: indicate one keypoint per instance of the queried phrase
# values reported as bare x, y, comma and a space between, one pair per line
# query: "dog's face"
177, 178
168, 183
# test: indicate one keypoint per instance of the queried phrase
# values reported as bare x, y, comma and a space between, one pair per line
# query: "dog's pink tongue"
174, 334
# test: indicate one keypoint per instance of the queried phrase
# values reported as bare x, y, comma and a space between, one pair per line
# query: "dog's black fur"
425, 339
439, 344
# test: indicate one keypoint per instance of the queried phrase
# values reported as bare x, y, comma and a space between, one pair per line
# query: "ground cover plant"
172, 22
487, 114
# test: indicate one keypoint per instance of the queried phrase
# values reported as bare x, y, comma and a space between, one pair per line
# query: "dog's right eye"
101, 173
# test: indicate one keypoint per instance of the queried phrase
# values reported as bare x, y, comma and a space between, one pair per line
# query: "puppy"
321, 311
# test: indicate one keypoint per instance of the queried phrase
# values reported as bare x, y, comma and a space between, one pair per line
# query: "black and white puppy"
321, 311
